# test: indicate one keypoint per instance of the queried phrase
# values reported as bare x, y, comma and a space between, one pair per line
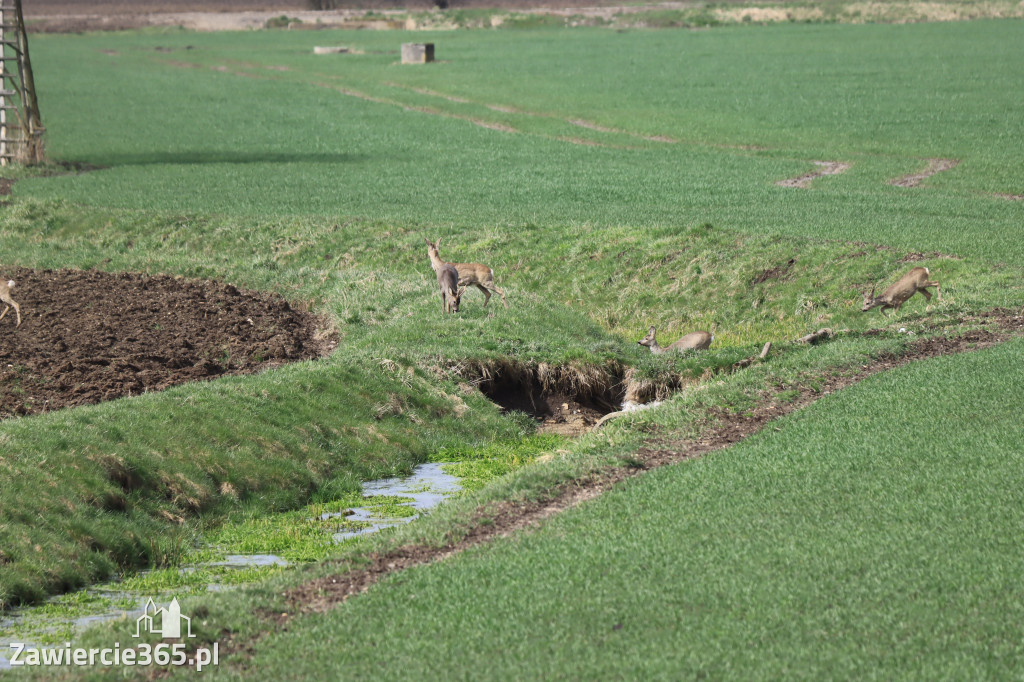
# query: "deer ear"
651, 330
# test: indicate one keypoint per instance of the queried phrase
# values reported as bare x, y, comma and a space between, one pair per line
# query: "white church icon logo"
169, 621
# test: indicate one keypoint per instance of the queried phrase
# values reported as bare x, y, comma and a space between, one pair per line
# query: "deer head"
649, 340
870, 301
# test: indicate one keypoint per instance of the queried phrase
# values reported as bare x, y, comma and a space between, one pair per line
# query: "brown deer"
451, 294
5, 296
692, 341
447, 280
472, 274
909, 284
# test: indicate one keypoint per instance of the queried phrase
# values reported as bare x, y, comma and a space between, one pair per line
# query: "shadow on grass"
207, 156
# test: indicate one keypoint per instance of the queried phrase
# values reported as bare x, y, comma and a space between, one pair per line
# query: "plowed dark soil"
89, 336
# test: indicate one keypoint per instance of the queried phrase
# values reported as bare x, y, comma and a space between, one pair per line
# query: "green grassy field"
613, 180
746, 107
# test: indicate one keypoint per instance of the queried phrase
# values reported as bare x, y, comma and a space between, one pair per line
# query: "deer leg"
927, 294
502, 294
487, 293
17, 310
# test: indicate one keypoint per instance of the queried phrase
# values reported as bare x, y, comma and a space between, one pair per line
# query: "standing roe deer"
472, 274
692, 341
447, 280
5, 296
909, 284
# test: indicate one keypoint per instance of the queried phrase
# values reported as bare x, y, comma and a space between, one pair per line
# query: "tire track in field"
251, 70
508, 109
576, 121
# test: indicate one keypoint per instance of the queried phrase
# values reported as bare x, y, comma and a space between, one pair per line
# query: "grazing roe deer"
472, 274
5, 296
451, 294
692, 341
447, 280
909, 284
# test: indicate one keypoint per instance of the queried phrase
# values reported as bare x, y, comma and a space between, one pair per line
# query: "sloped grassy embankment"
130, 483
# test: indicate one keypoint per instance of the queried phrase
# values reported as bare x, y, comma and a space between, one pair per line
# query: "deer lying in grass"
909, 284
447, 280
472, 274
5, 296
692, 341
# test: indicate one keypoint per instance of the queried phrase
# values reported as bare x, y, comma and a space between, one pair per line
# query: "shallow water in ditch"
426, 487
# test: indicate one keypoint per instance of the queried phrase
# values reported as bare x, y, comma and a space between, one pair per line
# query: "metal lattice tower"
21, 129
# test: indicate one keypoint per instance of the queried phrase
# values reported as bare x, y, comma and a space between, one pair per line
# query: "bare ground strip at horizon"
503, 518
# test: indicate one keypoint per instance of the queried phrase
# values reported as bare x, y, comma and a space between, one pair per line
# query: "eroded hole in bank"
554, 411
570, 400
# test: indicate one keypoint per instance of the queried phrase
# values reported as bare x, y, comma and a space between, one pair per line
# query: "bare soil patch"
88, 336
75, 16
934, 166
827, 168
778, 272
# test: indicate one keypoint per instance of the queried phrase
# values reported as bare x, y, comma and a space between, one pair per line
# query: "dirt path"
71, 16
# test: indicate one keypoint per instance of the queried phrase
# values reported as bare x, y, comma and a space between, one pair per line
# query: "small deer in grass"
909, 284
692, 341
447, 280
5, 296
471, 274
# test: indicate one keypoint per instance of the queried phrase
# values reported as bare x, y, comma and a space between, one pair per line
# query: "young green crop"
701, 136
